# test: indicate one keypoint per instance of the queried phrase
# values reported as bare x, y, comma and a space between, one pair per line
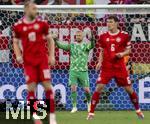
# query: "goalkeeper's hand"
54, 36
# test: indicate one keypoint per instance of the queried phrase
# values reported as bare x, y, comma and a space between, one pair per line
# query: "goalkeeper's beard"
79, 41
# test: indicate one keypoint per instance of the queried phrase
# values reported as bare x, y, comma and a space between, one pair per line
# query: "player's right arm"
59, 44
62, 45
16, 47
100, 59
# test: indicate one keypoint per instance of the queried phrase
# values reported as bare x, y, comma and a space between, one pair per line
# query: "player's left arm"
51, 44
16, 46
127, 50
51, 50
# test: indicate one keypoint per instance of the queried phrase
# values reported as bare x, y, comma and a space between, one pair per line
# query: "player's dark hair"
113, 17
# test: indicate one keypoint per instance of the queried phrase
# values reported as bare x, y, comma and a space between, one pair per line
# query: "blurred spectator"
51, 2
58, 2
117, 1
6, 2
73, 2
123, 1
40, 1
105, 1
18, 2
54, 2
142, 1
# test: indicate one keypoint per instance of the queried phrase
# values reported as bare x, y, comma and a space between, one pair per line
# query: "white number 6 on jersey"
112, 47
32, 36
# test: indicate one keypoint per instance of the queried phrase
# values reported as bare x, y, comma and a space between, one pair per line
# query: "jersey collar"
27, 22
114, 33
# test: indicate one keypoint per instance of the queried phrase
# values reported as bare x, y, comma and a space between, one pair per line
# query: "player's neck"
29, 20
114, 31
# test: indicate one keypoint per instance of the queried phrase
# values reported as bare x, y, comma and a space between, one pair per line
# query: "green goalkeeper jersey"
79, 53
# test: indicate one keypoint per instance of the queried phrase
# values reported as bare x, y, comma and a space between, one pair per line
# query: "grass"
3, 119
102, 117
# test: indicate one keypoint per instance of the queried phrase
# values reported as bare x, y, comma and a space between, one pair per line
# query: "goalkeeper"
78, 73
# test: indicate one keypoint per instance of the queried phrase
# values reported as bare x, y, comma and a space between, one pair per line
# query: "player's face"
79, 36
31, 11
111, 24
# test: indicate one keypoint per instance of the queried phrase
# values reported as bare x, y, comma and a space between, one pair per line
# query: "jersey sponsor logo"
118, 39
32, 36
36, 26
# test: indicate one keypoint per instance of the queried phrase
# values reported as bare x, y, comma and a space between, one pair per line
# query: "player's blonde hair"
27, 3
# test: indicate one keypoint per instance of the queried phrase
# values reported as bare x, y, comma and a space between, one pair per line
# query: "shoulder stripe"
124, 32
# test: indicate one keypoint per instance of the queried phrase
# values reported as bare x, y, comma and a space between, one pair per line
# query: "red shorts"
37, 73
121, 77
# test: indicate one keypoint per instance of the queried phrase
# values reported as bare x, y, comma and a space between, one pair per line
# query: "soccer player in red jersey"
33, 33
115, 44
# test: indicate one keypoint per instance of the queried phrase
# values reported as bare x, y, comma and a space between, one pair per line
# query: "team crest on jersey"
107, 39
24, 28
36, 26
118, 39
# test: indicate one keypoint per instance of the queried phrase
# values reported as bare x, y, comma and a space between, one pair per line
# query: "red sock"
94, 101
32, 101
50, 96
134, 100
31, 95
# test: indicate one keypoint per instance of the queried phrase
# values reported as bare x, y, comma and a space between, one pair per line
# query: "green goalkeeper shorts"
79, 78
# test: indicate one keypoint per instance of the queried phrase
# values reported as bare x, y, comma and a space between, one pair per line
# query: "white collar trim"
28, 22
114, 33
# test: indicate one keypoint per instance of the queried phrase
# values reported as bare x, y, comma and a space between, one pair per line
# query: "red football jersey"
33, 38
112, 44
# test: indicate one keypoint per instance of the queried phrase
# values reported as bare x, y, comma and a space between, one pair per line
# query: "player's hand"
19, 59
98, 66
51, 61
54, 36
119, 55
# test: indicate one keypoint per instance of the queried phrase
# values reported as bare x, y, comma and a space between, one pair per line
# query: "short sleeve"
15, 32
128, 41
46, 28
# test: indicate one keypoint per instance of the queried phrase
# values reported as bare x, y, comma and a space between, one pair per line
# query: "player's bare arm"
124, 53
17, 50
51, 50
100, 59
